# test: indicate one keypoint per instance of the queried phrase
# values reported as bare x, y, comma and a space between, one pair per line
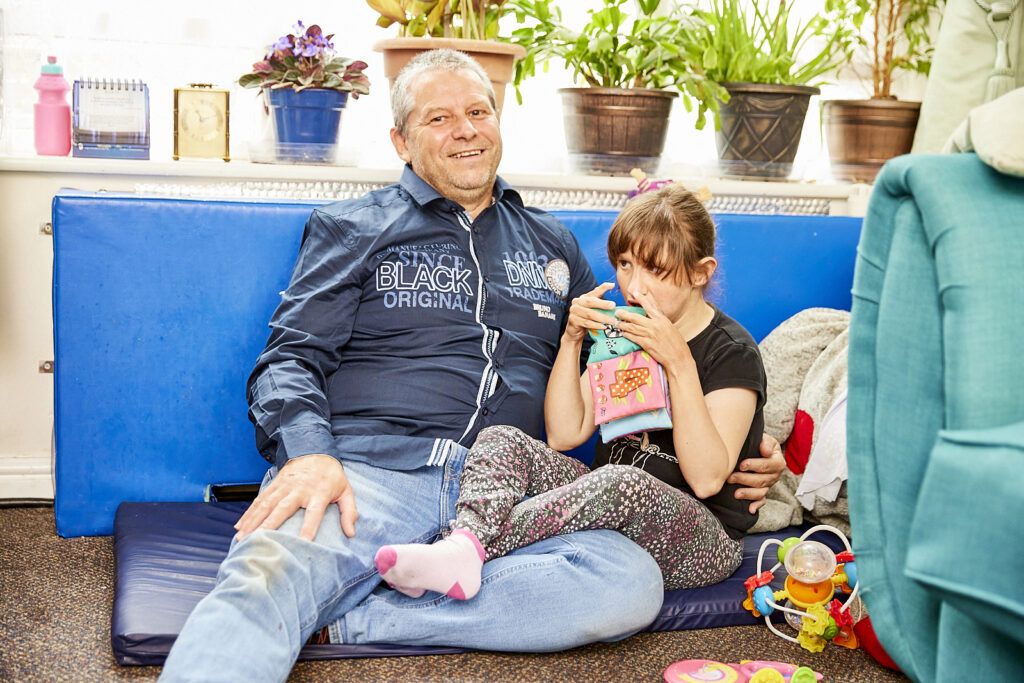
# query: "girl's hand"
583, 317
655, 333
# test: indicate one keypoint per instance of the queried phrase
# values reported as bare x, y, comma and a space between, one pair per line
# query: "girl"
663, 489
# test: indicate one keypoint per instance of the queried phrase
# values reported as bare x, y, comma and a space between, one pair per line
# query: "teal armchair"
936, 418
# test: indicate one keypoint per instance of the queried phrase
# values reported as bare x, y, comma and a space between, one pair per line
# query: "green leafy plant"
615, 49
757, 41
899, 38
473, 19
306, 59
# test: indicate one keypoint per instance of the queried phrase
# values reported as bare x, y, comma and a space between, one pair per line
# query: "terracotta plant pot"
864, 134
613, 130
761, 127
496, 58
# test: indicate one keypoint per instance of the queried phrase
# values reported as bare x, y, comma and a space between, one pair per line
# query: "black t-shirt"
726, 356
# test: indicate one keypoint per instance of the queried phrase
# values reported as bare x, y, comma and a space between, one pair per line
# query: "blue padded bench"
160, 308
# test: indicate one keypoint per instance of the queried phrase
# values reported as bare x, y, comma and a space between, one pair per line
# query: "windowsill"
844, 198
193, 168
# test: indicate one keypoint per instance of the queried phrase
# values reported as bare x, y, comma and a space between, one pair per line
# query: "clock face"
202, 120
201, 124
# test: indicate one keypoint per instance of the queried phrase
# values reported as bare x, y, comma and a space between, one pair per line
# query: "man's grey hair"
442, 59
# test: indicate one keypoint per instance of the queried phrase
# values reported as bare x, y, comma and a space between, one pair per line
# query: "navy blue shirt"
407, 327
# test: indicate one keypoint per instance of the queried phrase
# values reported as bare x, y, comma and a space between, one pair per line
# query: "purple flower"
306, 59
283, 43
306, 50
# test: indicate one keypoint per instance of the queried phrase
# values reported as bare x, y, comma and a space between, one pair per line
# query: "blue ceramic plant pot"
306, 123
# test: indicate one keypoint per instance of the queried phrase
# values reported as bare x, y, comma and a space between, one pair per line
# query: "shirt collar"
424, 193
502, 191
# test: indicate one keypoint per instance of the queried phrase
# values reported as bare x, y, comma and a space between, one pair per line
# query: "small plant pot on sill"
864, 134
496, 58
306, 123
613, 130
761, 127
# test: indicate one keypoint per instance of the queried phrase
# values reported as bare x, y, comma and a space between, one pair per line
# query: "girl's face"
674, 296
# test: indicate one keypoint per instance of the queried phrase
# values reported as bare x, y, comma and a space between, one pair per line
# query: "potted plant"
308, 87
863, 134
631, 69
770, 65
470, 26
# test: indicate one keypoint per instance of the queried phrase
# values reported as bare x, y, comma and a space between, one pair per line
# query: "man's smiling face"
451, 138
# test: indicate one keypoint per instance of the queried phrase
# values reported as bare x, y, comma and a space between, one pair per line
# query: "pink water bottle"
52, 113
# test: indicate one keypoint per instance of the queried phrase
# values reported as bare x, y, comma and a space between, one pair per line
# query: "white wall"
172, 44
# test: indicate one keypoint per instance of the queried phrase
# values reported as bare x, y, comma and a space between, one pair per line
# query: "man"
398, 339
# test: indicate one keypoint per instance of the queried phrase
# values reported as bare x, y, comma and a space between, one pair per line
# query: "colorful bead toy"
814, 574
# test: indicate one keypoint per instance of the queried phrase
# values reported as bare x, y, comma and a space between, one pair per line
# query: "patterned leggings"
504, 465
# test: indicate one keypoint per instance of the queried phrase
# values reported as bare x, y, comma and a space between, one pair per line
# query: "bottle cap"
52, 67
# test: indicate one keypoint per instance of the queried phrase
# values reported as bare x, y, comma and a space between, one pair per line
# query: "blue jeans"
274, 589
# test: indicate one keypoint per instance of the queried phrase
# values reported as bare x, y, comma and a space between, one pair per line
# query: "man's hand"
312, 482
757, 475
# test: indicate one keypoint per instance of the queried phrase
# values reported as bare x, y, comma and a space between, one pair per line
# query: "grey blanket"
805, 362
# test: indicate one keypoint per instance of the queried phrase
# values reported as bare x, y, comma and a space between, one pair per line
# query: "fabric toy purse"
629, 388
627, 385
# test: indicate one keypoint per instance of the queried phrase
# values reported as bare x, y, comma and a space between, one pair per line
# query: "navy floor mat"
167, 556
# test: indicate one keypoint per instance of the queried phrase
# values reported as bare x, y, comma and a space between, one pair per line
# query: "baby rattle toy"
705, 671
814, 573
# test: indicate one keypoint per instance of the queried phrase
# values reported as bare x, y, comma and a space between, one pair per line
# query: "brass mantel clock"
201, 122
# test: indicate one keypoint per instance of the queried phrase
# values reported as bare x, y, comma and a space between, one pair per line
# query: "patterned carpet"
55, 597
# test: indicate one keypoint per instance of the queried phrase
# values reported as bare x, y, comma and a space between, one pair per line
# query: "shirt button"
485, 412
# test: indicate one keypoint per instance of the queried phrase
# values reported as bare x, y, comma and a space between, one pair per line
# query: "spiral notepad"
111, 118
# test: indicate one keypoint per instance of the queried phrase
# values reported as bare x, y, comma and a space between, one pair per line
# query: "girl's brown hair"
668, 229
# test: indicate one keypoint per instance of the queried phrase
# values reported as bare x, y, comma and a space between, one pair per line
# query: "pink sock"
411, 592
451, 566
